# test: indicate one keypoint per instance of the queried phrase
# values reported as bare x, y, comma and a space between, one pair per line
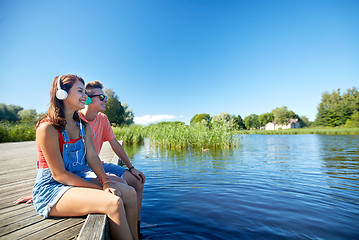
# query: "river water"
271, 187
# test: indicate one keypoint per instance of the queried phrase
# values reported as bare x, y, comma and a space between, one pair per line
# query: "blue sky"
172, 59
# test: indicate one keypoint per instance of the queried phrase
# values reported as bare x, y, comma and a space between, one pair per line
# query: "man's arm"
120, 152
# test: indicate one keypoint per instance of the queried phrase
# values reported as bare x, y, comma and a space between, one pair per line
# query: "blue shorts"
47, 192
108, 167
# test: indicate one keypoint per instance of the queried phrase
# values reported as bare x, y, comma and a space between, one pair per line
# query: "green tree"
128, 115
335, 109
305, 121
353, 121
252, 121
9, 112
265, 118
199, 118
223, 120
238, 121
114, 110
28, 115
281, 115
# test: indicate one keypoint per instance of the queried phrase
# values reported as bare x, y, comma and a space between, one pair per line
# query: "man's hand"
111, 188
138, 174
26, 199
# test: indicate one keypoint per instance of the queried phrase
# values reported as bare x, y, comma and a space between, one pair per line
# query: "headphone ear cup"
88, 101
61, 94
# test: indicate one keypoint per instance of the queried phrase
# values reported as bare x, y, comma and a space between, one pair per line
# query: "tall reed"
132, 134
179, 135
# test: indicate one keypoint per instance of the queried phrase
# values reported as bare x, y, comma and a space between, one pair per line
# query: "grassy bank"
322, 130
172, 135
178, 135
133, 134
19, 132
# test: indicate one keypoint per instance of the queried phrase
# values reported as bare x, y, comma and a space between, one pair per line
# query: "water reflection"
271, 187
340, 155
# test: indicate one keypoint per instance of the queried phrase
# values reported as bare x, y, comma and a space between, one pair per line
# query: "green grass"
317, 130
173, 135
132, 134
17, 132
177, 135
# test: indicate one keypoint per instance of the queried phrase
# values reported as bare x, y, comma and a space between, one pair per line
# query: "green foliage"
117, 113
132, 134
17, 132
238, 122
200, 117
9, 112
128, 115
252, 121
29, 116
353, 121
336, 109
282, 115
305, 121
178, 135
265, 118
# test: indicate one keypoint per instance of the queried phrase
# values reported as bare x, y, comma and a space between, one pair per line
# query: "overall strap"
65, 136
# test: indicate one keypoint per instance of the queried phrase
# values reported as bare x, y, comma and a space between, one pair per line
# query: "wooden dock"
17, 176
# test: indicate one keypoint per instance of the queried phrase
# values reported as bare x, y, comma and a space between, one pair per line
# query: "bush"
17, 132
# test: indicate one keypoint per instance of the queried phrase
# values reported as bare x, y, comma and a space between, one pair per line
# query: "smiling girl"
65, 147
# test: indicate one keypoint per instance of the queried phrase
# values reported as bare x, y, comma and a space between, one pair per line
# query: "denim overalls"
46, 191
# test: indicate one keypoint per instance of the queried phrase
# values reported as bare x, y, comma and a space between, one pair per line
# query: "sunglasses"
101, 96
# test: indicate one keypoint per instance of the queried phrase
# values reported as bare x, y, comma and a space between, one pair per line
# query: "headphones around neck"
60, 93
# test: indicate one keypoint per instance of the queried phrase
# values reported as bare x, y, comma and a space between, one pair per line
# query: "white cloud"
146, 119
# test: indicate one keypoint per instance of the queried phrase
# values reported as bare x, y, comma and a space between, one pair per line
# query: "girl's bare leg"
82, 201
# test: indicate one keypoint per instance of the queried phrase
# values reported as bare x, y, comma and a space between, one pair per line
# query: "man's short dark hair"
93, 84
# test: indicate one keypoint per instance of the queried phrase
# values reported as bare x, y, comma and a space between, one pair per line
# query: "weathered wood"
94, 227
17, 176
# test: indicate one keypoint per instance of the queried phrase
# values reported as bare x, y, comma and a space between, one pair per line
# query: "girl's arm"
48, 140
94, 162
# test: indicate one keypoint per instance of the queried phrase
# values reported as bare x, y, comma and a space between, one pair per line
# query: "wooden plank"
17, 176
60, 226
94, 227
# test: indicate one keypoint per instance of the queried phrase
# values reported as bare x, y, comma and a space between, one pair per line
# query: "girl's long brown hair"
55, 114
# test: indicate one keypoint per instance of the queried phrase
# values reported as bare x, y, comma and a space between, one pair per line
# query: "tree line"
338, 109
118, 113
334, 110
280, 115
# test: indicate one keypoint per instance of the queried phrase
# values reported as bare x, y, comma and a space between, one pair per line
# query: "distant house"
293, 123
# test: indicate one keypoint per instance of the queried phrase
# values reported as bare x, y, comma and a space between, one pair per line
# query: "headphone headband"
58, 82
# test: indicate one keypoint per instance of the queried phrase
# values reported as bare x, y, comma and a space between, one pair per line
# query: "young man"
101, 132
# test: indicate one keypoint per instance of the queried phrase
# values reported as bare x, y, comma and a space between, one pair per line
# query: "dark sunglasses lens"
102, 97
